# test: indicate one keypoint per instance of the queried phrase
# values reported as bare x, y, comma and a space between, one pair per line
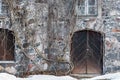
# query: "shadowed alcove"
7, 41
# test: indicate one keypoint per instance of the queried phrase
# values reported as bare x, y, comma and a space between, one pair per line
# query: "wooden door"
87, 52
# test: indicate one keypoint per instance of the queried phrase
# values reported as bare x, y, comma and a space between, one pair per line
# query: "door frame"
71, 49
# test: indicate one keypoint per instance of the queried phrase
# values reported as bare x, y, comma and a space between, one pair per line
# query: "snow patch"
5, 76
51, 77
112, 76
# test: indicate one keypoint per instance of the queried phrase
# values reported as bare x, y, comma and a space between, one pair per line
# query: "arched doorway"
87, 52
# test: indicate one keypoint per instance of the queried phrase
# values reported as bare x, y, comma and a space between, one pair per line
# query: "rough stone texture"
50, 24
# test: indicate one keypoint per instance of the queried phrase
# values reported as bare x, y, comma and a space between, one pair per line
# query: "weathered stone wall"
107, 22
44, 30
111, 16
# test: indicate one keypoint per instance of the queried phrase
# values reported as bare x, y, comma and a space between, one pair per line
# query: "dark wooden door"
87, 52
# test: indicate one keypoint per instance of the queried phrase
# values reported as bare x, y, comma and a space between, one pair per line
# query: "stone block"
1, 68
11, 70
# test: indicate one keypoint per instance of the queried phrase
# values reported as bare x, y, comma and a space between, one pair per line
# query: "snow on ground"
5, 76
112, 76
51, 77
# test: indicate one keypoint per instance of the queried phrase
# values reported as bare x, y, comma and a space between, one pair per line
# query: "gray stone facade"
43, 33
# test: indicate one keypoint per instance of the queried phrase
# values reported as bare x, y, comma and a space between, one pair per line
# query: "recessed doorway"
87, 52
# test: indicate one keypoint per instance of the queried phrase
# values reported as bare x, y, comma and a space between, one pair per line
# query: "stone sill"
3, 16
7, 61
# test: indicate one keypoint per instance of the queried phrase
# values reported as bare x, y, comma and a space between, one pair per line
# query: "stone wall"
44, 30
